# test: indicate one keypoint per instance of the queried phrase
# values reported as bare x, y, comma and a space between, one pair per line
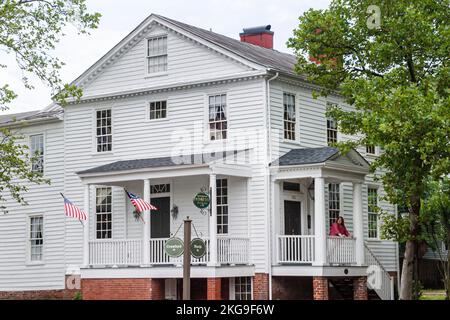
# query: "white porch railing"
158, 254
378, 278
232, 250
341, 250
107, 252
296, 249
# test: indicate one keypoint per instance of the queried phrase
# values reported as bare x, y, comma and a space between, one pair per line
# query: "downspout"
269, 188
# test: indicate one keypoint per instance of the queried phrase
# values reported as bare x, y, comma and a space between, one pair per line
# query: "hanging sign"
201, 200
198, 248
174, 247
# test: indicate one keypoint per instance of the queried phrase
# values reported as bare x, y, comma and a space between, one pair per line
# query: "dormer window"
157, 54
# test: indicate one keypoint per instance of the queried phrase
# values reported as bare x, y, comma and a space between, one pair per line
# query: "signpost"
187, 260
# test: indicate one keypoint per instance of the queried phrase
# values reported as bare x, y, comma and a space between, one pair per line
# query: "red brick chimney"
260, 36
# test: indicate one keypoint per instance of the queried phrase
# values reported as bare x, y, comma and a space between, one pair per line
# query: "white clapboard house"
172, 110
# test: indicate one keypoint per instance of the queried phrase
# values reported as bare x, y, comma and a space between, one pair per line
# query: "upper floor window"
36, 238
103, 212
222, 205
334, 202
332, 131
104, 130
372, 204
218, 117
289, 116
370, 149
158, 110
37, 152
157, 54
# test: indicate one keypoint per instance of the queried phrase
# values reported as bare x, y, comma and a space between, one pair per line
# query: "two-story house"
173, 110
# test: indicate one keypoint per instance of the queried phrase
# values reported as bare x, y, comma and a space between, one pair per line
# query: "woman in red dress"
338, 228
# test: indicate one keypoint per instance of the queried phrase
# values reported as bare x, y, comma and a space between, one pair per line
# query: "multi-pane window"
332, 131
103, 210
289, 116
160, 188
243, 288
37, 152
370, 149
334, 202
372, 201
217, 117
158, 110
36, 238
157, 54
104, 130
222, 205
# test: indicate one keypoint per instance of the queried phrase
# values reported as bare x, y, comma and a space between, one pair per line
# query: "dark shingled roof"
269, 58
306, 156
9, 119
192, 159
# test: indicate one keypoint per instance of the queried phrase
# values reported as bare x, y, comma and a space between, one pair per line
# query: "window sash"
372, 203
158, 110
332, 131
103, 212
334, 202
103, 130
36, 238
370, 149
157, 54
289, 116
222, 205
243, 288
217, 114
37, 152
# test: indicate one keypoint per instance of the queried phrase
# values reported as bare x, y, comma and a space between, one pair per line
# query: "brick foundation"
123, 289
261, 286
360, 288
214, 288
320, 288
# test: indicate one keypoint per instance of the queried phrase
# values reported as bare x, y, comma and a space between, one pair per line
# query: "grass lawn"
433, 295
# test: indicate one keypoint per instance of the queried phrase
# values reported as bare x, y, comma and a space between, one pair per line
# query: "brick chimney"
260, 36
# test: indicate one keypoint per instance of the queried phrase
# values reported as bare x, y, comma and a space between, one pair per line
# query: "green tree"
390, 60
29, 31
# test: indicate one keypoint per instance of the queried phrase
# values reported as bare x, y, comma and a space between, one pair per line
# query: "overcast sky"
120, 17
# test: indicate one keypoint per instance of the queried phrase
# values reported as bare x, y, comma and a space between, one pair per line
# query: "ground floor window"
36, 238
243, 288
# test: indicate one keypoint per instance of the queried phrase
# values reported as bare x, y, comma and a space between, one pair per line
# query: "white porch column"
358, 223
86, 225
146, 226
213, 221
320, 221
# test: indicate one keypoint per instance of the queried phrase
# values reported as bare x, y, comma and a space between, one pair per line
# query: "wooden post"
187, 260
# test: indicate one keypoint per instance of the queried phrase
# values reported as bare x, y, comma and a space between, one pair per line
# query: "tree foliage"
394, 69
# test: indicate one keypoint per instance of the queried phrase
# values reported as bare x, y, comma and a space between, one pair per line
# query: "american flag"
140, 204
73, 211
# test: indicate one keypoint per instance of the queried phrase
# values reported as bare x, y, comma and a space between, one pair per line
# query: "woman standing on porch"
338, 228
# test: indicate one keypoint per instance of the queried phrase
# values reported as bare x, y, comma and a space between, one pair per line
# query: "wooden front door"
160, 219
292, 217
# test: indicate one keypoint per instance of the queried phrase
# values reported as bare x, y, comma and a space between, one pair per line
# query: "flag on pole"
139, 204
73, 211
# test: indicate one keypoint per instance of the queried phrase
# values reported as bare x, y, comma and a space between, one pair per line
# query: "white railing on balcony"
341, 250
378, 279
158, 254
295, 249
232, 250
109, 252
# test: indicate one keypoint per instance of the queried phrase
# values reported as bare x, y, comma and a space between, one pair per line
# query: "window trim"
227, 205
341, 201
95, 213
43, 147
232, 288
297, 122
377, 188
147, 106
94, 130
338, 134
146, 56
28, 260
376, 153
207, 136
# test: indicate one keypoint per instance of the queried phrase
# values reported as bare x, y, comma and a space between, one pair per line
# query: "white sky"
119, 17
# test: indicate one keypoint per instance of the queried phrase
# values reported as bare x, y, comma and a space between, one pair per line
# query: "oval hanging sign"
198, 248
201, 200
174, 247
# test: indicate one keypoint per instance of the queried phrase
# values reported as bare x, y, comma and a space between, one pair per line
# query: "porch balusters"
146, 225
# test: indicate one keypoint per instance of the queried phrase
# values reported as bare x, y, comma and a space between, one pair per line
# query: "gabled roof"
51, 112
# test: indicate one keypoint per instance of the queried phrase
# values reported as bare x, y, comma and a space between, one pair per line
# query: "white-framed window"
332, 131
157, 54
37, 152
243, 288
217, 110
158, 110
222, 205
103, 212
289, 116
334, 202
36, 238
372, 204
103, 130
371, 149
